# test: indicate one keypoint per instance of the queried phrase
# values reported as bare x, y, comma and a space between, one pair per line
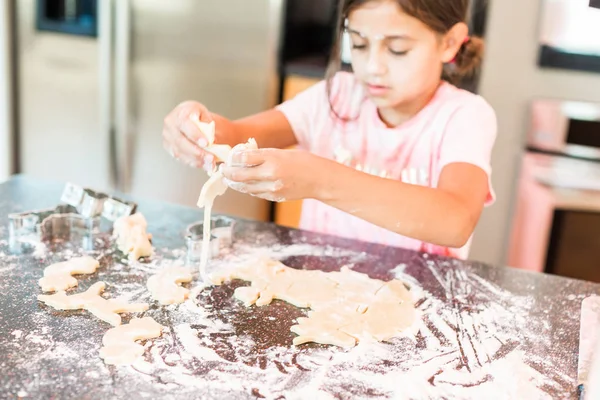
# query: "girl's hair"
439, 15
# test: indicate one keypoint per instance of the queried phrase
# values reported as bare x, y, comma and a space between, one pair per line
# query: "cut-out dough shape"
346, 306
215, 186
165, 287
119, 344
131, 236
90, 300
58, 276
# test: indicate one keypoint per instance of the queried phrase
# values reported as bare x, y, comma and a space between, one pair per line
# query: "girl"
392, 153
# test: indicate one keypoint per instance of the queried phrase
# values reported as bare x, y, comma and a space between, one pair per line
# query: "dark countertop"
486, 332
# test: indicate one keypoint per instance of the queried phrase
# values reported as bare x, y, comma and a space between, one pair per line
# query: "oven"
556, 220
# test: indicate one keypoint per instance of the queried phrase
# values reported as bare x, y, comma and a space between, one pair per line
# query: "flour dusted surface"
476, 339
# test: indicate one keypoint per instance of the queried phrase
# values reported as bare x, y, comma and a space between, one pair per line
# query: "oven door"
574, 246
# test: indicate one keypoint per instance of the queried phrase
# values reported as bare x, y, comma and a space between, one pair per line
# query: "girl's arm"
445, 216
270, 129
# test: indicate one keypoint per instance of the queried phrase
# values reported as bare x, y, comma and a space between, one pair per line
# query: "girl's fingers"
248, 158
180, 148
255, 187
247, 175
191, 131
185, 147
270, 196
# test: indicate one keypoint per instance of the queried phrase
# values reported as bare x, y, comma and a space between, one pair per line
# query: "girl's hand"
182, 137
274, 174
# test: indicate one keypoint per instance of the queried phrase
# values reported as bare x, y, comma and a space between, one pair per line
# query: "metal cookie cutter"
60, 223
77, 220
68, 227
90, 203
27, 223
221, 236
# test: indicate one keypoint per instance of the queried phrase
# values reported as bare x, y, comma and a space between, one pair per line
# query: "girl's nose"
376, 64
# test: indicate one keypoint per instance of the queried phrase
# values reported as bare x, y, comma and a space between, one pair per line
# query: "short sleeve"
469, 137
302, 110
310, 112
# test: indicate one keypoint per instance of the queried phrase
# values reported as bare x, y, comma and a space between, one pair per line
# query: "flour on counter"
206, 350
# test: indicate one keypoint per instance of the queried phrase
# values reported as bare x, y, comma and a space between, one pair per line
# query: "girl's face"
397, 57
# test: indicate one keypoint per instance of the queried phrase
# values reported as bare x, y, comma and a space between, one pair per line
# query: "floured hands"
183, 138
276, 175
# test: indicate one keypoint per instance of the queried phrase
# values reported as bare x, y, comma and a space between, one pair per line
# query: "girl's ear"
453, 40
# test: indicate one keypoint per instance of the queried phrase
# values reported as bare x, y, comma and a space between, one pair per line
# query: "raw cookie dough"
346, 306
120, 345
90, 300
58, 276
131, 236
214, 187
220, 151
165, 287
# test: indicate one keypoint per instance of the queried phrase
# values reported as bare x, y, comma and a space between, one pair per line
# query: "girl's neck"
397, 115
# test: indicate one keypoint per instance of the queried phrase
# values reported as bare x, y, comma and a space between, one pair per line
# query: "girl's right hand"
183, 139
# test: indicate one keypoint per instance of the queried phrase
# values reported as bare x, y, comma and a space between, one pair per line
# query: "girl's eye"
359, 46
398, 53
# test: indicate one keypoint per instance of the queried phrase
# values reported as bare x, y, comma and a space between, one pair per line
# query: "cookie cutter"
68, 227
221, 236
90, 203
59, 223
78, 219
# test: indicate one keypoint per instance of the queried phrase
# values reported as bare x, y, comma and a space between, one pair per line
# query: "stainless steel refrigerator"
95, 79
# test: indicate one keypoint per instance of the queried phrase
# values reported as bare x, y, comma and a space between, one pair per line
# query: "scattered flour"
475, 340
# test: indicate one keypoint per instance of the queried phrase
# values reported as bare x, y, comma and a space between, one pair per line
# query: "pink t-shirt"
456, 126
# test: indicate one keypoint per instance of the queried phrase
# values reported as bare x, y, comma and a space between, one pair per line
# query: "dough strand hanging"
215, 186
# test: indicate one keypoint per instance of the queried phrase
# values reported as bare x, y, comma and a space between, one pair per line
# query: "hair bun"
467, 62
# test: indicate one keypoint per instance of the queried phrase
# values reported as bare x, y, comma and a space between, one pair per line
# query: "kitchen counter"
485, 331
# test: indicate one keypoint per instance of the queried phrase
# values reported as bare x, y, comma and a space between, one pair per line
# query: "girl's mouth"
377, 90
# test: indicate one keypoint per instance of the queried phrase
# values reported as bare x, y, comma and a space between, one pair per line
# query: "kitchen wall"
5, 113
510, 79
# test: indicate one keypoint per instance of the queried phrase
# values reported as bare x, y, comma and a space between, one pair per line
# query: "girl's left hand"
275, 174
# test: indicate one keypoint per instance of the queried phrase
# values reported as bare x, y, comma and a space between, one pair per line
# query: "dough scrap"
347, 307
214, 187
119, 343
219, 151
131, 236
207, 129
58, 276
165, 287
90, 300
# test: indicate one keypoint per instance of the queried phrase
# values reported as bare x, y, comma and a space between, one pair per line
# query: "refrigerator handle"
123, 135
105, 57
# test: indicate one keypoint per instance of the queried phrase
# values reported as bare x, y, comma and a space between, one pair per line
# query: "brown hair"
439, 15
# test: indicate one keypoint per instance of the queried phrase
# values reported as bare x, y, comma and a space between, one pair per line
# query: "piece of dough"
207, 129
165, 287
90, 300
214, 187
131, 236
219, 151
119, 344
58, 276
346, 306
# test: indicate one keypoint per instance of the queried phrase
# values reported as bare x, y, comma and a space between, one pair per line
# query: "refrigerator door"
6, 129
64, 94
222, 53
